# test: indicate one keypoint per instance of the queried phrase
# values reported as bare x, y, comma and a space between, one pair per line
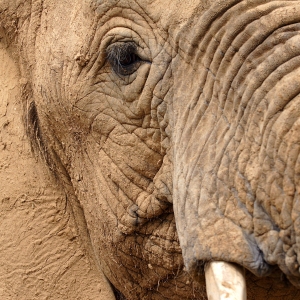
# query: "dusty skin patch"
41, 249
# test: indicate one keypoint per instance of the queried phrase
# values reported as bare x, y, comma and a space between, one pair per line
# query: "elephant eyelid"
123, 58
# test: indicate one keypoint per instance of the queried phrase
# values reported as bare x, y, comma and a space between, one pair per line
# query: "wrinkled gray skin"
204, 120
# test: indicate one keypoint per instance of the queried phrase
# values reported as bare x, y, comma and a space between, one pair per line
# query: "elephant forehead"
167, 13
175, 13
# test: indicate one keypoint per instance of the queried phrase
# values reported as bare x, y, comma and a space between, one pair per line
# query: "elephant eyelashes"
123, 58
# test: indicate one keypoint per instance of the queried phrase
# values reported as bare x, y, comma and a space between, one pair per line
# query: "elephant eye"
123, 58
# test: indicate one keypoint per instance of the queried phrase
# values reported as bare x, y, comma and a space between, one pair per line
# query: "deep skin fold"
128, 110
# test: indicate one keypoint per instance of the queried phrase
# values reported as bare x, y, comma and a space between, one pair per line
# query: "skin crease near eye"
122, 58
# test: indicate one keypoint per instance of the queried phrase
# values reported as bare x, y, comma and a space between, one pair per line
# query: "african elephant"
171, 130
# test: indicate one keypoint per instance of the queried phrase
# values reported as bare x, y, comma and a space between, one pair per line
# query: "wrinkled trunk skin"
208, 128
237, 138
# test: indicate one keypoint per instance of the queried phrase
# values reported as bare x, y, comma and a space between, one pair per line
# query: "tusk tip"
225, 281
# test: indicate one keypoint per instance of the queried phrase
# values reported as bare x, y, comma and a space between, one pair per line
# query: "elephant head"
177, 128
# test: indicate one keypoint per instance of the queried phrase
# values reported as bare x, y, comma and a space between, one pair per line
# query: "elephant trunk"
236, 144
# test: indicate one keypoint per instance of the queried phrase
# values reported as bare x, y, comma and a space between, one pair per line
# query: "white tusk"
225, 281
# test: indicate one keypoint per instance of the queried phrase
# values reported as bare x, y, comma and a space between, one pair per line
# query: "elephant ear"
44, 245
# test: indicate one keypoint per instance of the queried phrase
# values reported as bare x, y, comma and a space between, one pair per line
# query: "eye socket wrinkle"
122, 58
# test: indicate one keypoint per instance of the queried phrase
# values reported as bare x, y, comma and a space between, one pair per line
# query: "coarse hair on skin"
33, 129
34, 133
38, 144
